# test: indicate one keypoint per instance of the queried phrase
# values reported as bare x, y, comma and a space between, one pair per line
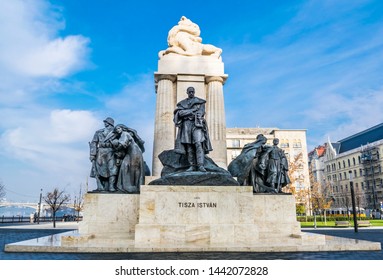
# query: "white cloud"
319, 71
30, 46
55, 58
40, 146
50, 150
51, 140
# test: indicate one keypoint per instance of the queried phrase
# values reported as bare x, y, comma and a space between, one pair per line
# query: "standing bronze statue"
262, 166
192, 137
188, 163
277, 167
129, 159
104, 167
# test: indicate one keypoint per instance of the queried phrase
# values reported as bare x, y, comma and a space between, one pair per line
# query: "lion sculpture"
184, 39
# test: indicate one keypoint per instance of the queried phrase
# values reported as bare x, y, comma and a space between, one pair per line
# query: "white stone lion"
184, 39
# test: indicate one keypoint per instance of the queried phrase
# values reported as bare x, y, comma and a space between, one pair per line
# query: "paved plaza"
16, 233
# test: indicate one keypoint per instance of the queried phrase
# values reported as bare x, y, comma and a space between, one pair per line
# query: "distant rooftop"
364, 137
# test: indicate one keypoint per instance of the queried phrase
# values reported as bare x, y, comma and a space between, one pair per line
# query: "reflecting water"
25, 211
10, 211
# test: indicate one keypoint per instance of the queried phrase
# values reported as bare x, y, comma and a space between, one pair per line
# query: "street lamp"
38, 213
353, 201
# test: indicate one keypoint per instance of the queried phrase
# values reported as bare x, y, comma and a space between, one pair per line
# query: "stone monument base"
190, 218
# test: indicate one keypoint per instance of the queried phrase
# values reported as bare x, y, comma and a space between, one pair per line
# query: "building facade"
356, 159
316, 162
293, 142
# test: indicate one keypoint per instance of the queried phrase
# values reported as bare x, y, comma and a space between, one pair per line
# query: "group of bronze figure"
118, 164
117, 160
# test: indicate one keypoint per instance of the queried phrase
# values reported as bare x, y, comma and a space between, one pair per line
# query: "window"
353, 160
297, 144
355, 173
339, 165
284, 143
340, 176
348, 161
235, 143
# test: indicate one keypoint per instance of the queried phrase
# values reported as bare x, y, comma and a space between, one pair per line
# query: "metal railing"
21, 219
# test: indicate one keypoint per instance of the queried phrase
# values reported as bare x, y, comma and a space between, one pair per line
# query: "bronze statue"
104, 167
188, 163
277, 167
193, 137
129, 159
262, 166
117, 160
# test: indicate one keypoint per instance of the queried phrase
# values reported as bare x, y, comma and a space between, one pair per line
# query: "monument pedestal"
189, 219
213, 216
109, 220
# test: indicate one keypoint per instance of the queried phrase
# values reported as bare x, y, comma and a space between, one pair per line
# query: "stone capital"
159, 77
221, 79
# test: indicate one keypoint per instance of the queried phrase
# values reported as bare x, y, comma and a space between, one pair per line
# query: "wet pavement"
20, 233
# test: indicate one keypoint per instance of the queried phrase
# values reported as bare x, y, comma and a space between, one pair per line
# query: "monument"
187, 62
196, 204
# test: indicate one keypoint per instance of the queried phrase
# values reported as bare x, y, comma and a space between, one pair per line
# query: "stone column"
215, 117
164, 129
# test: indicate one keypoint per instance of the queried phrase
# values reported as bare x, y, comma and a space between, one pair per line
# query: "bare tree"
360, 201
321, 197
55, 200
2, 190
78, 203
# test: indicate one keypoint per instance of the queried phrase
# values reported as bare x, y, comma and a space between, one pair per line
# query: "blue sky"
66, 65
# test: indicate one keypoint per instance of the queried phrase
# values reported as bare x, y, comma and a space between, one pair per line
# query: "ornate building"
316, 164
357, 158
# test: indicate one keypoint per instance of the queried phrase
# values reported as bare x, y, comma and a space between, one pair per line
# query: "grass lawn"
332, 224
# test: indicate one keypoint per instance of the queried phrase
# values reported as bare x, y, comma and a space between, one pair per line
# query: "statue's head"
262, 138
120, 128
190, 92
187, 25
109, 121
276, 141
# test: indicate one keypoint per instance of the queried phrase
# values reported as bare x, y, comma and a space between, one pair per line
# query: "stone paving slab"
12, 235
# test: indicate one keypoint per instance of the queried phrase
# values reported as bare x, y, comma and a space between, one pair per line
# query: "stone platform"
190, 219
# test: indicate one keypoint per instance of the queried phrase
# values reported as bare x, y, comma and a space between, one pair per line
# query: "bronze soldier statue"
104, 167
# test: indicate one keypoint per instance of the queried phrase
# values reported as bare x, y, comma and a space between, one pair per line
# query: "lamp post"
38, 213
353, 201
